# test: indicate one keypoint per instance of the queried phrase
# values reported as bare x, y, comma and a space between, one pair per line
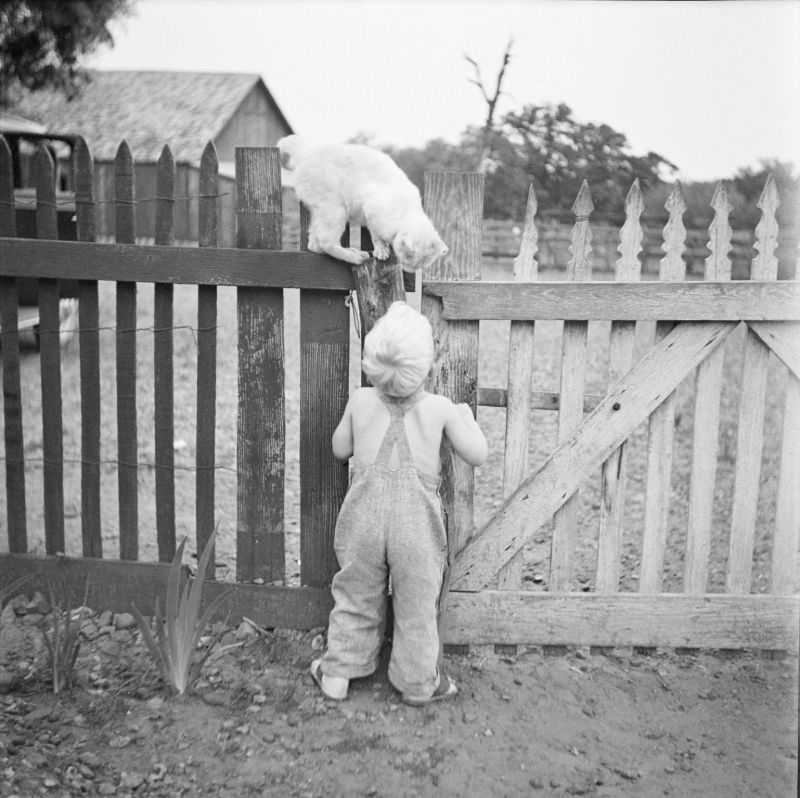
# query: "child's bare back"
429, 416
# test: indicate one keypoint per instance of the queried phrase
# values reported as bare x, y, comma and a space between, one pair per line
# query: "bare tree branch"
491, 102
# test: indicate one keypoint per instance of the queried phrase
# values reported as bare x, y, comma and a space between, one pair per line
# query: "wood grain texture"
89, 342
783, 340
520, 385
571, 388
539, 400
50, 363
454, 202
613, 473
705, 439
658, 480
12, 418
786, 540
185, 265
324, 386
163, 379
669, 300
127, 423
752, 408
660, 620
205, 459
261, 432
631, 401
9, 355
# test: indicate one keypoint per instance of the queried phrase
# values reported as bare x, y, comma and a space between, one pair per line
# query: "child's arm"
465, 435
342, 441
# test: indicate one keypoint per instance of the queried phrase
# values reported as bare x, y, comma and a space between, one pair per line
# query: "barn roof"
146, 108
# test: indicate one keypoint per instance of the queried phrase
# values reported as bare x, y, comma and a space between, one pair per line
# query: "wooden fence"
485, 604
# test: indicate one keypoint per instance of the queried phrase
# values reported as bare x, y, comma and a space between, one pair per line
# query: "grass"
492, 373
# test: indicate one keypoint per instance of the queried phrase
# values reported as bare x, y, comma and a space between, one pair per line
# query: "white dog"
341, 183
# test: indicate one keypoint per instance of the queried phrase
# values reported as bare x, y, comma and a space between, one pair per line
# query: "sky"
711, 86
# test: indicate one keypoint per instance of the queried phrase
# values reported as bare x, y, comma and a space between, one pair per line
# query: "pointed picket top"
765, 263
672, 266
165, 198
579, 266
124, 196
84, 191
208, 160
631, 234
583, 205
718, 263
8, 225
207, 200
123, 154
525, 265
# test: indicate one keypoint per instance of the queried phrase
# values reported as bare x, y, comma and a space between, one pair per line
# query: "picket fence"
485, 603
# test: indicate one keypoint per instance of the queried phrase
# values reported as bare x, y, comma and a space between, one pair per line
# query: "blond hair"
398, 351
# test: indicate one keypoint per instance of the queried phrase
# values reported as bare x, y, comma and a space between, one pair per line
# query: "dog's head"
418, 246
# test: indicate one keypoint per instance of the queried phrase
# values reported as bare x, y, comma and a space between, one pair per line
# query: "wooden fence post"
89, 337
9, 357
261, 434
127, 435
50, 362
324, 383
454, 203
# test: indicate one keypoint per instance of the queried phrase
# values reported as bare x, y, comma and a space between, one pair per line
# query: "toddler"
390, 523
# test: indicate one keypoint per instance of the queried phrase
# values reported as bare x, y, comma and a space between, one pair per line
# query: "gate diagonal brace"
627, 405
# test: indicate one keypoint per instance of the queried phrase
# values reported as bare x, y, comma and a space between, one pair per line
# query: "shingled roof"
146, 108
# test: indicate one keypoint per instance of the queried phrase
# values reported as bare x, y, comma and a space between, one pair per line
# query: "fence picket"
164, 412
260, 550
662, 421
12, 389
572, 387
454, 203
127, 425
205, 459
705, 442
50, 362
324, 385
623, 333
750, 436
89, 339
520, 385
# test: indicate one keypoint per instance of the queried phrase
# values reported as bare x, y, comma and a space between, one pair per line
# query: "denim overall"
390, 525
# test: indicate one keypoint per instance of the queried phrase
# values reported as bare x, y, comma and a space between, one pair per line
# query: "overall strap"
396, 434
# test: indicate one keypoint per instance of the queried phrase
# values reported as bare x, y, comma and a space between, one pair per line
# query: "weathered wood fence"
486, 604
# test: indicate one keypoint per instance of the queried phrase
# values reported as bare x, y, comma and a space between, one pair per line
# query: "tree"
558, 153
42, 41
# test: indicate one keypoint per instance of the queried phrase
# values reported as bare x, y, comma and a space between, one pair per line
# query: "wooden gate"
692, 321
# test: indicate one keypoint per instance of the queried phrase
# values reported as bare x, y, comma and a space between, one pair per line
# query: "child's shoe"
446, 688
333, 687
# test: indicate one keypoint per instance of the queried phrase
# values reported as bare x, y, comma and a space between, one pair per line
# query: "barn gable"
151, 108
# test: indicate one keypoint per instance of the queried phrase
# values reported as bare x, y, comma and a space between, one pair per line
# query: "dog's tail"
292, 150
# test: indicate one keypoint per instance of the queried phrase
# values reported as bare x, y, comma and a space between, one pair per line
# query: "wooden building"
149, 109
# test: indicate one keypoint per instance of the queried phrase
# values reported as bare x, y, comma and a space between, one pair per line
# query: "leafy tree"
42, 41
559, 153
544, 145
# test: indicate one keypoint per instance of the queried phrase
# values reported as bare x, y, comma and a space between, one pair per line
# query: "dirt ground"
530, 722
